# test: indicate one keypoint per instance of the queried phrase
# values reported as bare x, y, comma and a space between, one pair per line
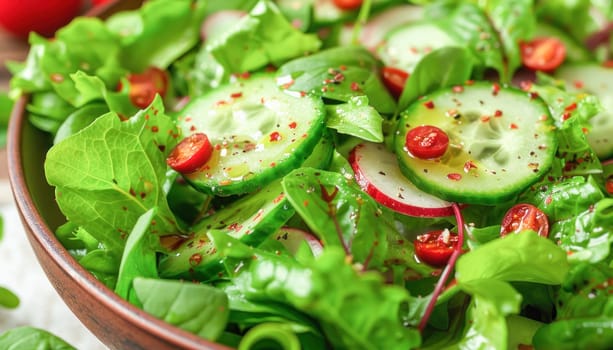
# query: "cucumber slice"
259, 133
597, 80
405, 46
501, 140
251, 219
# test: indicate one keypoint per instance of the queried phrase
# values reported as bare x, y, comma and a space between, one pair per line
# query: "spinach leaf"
493, 301
116, 171
138, 259
517, 257
197, 308
586, 292
572, 16
362, 312
261, 38
440, 68
32, 338
356, 118
340, 214
158, 33
338, 74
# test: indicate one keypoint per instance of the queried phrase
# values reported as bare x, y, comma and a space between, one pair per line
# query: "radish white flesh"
292, 238
376, 171
379, 25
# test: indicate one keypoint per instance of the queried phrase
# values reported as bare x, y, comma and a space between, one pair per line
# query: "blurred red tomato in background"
44, 17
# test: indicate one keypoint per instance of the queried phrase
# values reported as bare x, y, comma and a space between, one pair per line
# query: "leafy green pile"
142, 231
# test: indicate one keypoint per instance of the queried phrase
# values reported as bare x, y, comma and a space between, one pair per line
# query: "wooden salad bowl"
117, 323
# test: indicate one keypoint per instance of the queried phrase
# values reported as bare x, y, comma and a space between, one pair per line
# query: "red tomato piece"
427, 142
190, 154
143, 87
435, 247
99, 2
394, 80
543, 54
348, 4
525, 217
609, 185
20, 17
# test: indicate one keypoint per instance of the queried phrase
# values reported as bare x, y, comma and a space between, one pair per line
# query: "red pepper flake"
355, 86
469, 165
279, 198
288, 84
543, 117
235, 227
193, 128
236, 95
245, 75
454, 176
495, 89
220, 103
513, 126
585, 131
578, 84
565, 116
429, 104
155, 128
303, 93
305, 203
292, 125
608, 64
485, 118
339, 78
188, 119
275, 136
57, 78
195, 259
470, 82
273, 164
571, 107
533, 95
497, 113
548, 200
457, 89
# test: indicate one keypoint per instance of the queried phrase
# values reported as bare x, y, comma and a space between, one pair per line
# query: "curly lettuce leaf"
113, 171
263, 37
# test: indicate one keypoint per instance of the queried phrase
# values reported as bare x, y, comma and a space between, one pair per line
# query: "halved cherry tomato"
525, 217
348, 4
426, 142
544, 54
435, 247
394, 80
609, 184
190, 154
144, 86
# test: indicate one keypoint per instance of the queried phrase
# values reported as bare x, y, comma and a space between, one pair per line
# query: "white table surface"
20, 272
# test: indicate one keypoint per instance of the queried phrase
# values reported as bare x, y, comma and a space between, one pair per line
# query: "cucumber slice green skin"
259, 133
492, 156
598, 80
251, 219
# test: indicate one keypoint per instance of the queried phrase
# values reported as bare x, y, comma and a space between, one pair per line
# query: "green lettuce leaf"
26, 337
518, 257
356, 118
197, 308
158, 33
338, 74
263, 37
110, 173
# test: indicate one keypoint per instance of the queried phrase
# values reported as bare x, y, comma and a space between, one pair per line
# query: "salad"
375, 174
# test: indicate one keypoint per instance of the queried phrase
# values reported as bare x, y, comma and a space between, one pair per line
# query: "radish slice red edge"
377, 173
292, 238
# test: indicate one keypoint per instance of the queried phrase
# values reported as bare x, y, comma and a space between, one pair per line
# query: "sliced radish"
292, 238
375, 30
376, 171
219, 22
